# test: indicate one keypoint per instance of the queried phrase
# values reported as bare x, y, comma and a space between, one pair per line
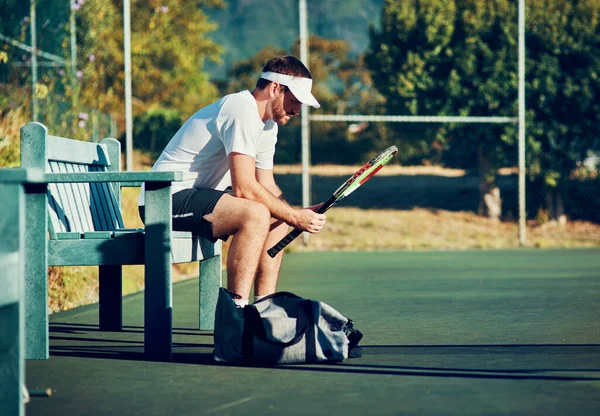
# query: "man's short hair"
287, 65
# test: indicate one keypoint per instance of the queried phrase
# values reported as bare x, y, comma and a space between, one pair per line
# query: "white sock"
240, 303
257, 298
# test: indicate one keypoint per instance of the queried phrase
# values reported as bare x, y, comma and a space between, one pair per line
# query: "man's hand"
308, 220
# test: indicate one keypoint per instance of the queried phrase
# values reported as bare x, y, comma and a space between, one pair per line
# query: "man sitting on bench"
232, 143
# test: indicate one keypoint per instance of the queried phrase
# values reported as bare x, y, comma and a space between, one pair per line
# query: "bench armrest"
29, 175
74, 177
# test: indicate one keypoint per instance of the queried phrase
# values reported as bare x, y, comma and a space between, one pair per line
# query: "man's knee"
258, 215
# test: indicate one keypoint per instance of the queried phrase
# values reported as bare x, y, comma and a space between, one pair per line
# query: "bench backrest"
75, 207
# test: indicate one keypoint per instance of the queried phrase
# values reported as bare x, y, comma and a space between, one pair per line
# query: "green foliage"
448, 58
169, 47
15, 24
434, 57
563, 85
153, 129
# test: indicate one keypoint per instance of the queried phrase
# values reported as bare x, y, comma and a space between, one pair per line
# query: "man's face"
284, 107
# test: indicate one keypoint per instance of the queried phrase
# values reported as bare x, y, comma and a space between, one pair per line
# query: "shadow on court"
474, 332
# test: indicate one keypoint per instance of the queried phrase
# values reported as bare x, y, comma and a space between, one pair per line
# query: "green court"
445, 332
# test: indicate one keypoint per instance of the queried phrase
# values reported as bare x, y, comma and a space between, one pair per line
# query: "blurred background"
452, 185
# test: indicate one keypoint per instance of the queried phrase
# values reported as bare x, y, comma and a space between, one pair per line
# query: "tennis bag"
282, 328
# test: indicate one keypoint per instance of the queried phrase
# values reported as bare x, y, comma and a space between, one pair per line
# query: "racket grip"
284, 242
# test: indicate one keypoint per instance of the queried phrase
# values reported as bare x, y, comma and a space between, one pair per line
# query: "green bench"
12, 283
77, 221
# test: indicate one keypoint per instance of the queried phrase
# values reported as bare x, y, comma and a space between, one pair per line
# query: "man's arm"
259, 185
267, 179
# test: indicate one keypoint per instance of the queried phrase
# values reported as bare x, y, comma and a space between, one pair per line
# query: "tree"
169, 48
436, 57
563, 93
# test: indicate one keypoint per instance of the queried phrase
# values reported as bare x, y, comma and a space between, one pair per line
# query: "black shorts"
189, 208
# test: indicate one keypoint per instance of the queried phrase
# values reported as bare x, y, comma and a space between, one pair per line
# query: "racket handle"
284, 242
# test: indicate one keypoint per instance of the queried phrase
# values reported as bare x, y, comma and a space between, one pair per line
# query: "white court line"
232, 404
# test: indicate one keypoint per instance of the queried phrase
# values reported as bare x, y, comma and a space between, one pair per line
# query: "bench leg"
111, 304
12, 322
210, 281
158, 297
11, 360
158, 319
36, 274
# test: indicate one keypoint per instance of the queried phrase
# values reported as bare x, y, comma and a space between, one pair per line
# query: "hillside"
247, 26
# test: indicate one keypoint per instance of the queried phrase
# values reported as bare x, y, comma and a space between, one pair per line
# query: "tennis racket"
352, 184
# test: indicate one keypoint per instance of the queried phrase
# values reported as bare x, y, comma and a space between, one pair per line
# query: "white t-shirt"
201, 146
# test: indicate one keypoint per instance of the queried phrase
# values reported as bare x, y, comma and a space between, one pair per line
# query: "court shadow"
88, 341
497, 361
350, 368
72, 327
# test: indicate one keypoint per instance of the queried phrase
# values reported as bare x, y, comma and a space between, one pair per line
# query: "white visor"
299, 86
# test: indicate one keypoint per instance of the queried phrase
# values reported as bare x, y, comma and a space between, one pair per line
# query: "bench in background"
77, 221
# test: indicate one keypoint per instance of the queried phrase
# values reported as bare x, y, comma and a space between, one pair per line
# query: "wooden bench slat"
98, 235
69, 236
73, 200
128, 178
93, 252
82, 195
99, 216
76, 151
103, 221
57, 213
95, 211
66, 201
109, 203
128, 233
112, 194
116, 206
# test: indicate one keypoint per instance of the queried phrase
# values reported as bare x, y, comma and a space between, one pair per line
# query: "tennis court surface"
445, 333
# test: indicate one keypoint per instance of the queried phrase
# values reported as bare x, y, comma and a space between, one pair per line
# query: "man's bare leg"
268, 268
248, 222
